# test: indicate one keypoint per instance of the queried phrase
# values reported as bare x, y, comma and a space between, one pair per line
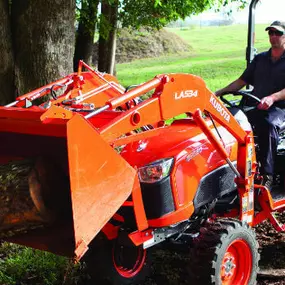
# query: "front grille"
214, 185
157, 198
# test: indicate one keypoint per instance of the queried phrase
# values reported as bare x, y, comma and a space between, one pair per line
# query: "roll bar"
250, 50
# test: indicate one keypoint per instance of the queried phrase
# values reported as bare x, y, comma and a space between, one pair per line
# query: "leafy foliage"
86, 14
151, 13
158, 13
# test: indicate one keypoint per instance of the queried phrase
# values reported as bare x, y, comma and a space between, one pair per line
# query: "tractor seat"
241, 117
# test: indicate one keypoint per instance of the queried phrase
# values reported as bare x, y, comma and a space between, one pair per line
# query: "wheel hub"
236, 264
228, 267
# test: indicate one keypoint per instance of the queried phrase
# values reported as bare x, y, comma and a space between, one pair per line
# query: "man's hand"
266, 103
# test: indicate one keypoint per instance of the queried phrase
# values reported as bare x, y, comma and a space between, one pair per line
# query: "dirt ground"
272, 251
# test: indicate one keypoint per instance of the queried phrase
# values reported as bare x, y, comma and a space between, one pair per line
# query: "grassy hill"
218, 56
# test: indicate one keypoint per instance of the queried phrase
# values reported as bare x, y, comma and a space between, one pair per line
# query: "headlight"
155, 171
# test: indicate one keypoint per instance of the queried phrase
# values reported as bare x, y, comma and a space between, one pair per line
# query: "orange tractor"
113, 176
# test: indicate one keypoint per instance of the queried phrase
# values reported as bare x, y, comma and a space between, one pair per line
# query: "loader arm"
174, 94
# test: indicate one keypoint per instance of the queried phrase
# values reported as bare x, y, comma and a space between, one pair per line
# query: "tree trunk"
112, 38
103, 36
6, 56
107, 39
43, 35
85, 33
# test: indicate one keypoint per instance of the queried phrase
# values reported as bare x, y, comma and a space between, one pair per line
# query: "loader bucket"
71, 181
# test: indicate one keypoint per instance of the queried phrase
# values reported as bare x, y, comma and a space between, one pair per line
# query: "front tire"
225, 253
117, 263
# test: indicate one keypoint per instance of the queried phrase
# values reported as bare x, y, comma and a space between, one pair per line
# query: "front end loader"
89, 169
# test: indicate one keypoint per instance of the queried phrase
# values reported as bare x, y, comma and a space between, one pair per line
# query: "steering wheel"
244, 95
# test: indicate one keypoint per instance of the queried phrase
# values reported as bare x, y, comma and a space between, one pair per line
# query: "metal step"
277, 193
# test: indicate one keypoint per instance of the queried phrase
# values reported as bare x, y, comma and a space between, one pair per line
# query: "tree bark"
85, 33
44, 38
6, 56
107, 39
103, 36
112, 38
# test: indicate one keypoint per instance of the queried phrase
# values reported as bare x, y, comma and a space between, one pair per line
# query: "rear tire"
225, 253
117, 263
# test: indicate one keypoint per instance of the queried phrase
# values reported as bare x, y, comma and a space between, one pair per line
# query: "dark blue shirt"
265, 76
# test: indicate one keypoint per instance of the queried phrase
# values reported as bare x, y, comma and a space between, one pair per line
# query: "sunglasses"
275, 33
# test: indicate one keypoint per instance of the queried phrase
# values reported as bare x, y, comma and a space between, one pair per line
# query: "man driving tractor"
266, 73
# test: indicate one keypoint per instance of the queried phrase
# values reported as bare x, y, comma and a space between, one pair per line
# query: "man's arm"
268, 101
234, 86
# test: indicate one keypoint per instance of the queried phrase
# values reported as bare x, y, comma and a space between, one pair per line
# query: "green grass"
22, 265
217, 55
